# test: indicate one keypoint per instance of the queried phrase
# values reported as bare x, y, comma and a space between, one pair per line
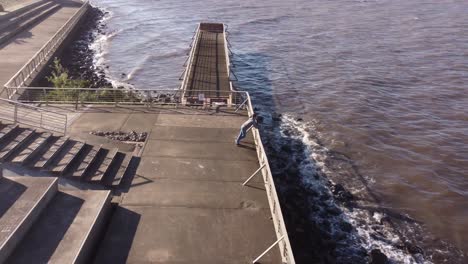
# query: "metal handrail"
33, 116
228, 59
226, 54
188, 68
275, 207
43, 55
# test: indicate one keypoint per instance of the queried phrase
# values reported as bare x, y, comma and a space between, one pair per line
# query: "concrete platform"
186, 203
196, 169
201, 150
65, 229
200, 194
151, 234
22, 200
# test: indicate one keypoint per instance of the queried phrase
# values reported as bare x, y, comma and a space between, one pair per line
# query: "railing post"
77, 99
66, 125
241, 105
40, 124
114, 92
15, 114
46, 97
150, 102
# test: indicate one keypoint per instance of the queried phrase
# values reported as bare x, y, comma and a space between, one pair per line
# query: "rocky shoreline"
333, 216
78, 57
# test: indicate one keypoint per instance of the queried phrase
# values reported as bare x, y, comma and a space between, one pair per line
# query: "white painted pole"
255, 173
268, 249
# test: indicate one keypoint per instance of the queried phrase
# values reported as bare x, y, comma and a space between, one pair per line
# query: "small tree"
60, 78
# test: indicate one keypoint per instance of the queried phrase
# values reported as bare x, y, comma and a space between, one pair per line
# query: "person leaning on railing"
252, 122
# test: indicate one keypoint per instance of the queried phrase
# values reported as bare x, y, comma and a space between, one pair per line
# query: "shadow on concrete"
119, 237
11, 169
255, 187
243, 145
10, 191
49, 230
20, 38
69, 3
131, 176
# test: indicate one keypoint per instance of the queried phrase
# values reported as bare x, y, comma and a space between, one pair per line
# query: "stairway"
21, 19
42, 223
64, 157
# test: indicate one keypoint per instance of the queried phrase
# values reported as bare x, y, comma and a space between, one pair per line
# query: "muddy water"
372, 96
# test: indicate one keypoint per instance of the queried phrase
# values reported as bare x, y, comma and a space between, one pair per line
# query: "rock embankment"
78, 57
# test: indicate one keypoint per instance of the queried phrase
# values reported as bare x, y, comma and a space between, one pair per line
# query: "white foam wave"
304, 131
100, 46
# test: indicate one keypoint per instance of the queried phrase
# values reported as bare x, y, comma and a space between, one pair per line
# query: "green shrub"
60, 78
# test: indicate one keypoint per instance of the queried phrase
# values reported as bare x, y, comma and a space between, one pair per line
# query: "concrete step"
7, 131
72, 154
59, 155
10, 32
33, 149
15, 20
92, 154
67, 230
49, 155
23, 199
8, 148
115, 176
97, 174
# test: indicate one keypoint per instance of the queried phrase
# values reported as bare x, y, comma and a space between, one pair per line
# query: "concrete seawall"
23, 48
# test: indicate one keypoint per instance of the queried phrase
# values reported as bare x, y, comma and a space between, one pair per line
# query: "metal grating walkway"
208, 69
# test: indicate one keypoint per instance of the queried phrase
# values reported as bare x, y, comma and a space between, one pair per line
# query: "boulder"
377, 257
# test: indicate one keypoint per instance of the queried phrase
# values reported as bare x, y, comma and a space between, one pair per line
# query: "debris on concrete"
131, 136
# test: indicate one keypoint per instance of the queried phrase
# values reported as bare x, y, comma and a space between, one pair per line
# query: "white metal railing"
82, 97
41, 57
188, 67
275, 207
228, 58
26, 114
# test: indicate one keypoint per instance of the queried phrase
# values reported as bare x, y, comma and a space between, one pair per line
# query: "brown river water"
375, 90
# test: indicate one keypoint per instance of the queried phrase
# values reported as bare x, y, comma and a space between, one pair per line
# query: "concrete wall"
46, 70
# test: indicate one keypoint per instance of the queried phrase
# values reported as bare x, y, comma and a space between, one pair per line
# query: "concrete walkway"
186, 203
9, 5
19, 50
